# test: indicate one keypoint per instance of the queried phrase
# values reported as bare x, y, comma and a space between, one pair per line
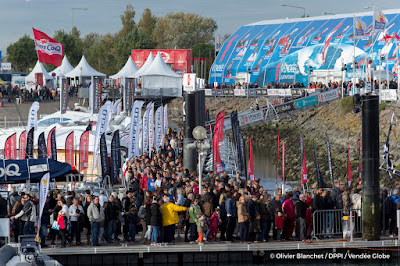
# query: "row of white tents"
156, 77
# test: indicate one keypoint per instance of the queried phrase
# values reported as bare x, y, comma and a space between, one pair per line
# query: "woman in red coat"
288, 208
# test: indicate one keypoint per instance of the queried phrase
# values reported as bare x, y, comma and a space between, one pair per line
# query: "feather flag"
349, 175
250, 172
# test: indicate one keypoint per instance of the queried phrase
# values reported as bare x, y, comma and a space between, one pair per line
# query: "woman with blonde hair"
243, 219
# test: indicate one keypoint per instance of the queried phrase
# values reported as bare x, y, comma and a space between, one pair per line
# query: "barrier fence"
328, 223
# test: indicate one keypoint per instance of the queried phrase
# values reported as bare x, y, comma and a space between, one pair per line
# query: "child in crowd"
200, 229
213, 224
279, 224
132, 219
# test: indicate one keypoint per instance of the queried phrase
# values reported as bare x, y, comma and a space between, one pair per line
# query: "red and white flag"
10, 147
48, 50
70, 149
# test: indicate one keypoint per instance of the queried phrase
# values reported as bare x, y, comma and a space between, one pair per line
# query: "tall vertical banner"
32, 117
51, 144
48, 50
129, 94
165, 120
95, 97
29, 144
386, 149
303, 162
44, 190
277, 162
349, 174
64, 96
158, 128
218, 130
103, 119
283, 166
115, 158
250, 172
70, 149
151, 128
22, 145
359, 162
10, 147
145, 131
42, 150
321, 182
104, 156
134, 130
84, 151
328, 148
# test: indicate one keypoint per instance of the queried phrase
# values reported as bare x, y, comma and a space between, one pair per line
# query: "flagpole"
398, 67
354, 64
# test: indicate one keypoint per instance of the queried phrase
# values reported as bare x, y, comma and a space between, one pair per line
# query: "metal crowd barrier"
328, 223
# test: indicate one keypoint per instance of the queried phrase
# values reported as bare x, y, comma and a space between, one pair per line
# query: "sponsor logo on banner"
39, 168
286, 107
239, 92
328, 96
10, 170
208, 92
6, 66
48, 47
279, 92
388, 95
134, 130
189, 82
250, 117
306, 102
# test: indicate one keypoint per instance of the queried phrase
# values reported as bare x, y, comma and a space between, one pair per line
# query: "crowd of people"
163, 204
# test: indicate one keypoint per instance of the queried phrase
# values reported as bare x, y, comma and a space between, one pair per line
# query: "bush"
346, 105
382, 106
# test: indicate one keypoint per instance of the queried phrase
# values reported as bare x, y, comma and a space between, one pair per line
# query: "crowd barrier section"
330, 223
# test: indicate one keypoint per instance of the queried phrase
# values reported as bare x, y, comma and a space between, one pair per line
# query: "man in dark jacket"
111, 216
300, 210
252, 210
155, 220
318, 205
3, 207
126, 207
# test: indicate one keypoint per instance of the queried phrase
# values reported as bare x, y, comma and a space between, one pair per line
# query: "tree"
207, 52
127, 20
147, 23
183, 30
72, 44
22, 54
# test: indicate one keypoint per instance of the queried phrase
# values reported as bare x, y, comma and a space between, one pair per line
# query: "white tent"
146, 65
83, 69
160, 80
63, 69
128, 70
39, 68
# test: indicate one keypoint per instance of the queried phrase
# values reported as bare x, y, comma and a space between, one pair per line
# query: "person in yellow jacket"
170, 217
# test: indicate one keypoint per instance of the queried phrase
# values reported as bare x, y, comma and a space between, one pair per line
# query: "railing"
257, 92
328, 223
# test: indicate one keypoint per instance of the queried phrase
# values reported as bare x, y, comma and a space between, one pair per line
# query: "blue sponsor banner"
305, 102
284, 50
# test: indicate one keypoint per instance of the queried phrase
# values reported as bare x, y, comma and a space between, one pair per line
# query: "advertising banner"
115, 158
250, 117
328, 96
64, 96
189, 82
22, 145
388, 95
134, 129
279, 92
84, 151
48, 50
10, 147
29, 144
51, 144
42, 150
70, 149
239, 92
104, 156
95, 97
285, 107
305, 102
128, 94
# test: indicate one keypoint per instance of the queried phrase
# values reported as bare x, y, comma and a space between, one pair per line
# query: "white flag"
379, 20
145, 131
165, 120
158, 126
359, 28
44, 189
134, 131
116, 106
103, 118
32, 119
151, 128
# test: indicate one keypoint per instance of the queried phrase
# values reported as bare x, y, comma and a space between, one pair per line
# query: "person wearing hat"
170, 218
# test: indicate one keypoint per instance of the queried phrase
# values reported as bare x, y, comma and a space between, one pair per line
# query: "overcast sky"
17, 17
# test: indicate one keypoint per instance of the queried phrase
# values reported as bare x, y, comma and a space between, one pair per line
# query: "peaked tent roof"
129, 69
63, 69
84, 69
159, 68
39, 68
146, 65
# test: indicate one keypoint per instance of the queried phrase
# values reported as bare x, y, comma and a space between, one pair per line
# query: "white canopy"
83, 69
63, 69
39, 68
160, 80
146, 65
128, 70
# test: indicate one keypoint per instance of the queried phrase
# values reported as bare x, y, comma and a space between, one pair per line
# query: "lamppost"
300, 7
202, 144
72, 13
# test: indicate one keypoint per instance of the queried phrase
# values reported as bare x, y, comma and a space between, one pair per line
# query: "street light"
72, 13
327, 13
300, 7
202, 144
